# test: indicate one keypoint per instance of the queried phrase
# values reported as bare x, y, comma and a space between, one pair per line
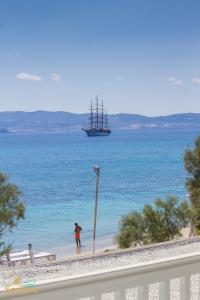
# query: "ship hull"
97, 132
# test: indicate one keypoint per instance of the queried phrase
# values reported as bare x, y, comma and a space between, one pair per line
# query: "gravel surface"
82, 265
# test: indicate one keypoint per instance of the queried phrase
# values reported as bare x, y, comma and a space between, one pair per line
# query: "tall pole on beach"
97, 172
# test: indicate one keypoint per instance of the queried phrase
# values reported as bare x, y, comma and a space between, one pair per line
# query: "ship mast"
91, 115
97, 112
106, 119
102, 115
97, 119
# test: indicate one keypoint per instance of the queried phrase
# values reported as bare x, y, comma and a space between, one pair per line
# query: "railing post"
8, 259
30, 249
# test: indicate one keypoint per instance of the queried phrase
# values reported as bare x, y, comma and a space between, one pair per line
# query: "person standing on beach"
77, 234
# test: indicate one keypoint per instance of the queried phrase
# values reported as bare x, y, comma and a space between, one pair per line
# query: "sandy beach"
103, 243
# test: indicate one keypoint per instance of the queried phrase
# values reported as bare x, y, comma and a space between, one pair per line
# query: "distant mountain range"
46, 121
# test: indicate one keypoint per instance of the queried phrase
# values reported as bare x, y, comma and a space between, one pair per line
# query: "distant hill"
45, 121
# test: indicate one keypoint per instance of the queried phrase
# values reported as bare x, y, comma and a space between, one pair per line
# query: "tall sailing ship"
98, 120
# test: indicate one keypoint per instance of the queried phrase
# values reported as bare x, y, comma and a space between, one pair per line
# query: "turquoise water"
55, 173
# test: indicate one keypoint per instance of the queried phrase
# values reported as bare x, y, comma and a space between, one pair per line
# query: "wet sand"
103, 244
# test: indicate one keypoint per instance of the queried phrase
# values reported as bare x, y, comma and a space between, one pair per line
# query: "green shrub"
11, 209
158, 223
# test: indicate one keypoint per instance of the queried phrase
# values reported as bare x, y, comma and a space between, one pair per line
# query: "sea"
55, 174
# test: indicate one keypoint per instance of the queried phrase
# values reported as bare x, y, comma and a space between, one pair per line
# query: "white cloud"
28, 76
196, 80
56, 77
178, 82
175, 81
171, 79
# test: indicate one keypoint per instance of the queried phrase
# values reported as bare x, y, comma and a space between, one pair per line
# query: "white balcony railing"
176, 278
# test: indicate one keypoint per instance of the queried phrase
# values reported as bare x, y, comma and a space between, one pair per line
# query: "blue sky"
139, 56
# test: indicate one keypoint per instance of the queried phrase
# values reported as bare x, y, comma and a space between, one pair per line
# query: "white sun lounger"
22, 257
18, 254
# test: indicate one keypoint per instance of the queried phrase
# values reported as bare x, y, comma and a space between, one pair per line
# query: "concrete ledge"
120, 272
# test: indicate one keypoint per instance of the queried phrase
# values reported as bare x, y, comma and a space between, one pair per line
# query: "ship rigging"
98, 120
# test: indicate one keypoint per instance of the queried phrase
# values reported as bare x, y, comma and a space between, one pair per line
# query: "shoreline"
103, 243
105, 246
